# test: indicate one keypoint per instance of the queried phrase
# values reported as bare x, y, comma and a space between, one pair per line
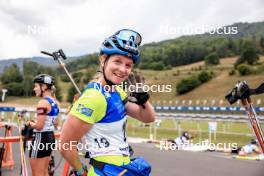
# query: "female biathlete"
100, 114
44, 126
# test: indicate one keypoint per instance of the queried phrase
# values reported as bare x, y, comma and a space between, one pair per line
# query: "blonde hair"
53, 91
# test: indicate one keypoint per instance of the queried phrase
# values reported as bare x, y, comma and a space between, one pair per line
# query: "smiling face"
117, 68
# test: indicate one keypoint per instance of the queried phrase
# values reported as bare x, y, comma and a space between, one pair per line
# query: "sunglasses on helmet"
129, 35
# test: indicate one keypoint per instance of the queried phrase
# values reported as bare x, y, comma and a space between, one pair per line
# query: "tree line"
20, 83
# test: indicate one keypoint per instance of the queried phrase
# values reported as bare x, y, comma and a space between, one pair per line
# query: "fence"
171, 121
201, 102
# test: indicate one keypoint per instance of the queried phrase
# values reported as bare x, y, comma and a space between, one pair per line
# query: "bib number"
124, 131
102, 142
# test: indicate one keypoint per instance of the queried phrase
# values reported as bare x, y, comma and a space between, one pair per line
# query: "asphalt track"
174, 163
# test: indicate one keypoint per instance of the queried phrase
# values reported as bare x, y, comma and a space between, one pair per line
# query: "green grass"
21, 100
227, 132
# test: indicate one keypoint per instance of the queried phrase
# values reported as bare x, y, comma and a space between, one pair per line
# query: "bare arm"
73, 130
146, 115
39, 124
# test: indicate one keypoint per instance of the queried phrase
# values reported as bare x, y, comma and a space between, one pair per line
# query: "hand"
27, 123
76, 97
136, 84
82, 172
30, 123
74, 173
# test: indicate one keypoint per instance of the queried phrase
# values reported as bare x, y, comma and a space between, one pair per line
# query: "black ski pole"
242, 92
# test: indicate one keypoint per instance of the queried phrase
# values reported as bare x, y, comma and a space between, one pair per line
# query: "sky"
80, 26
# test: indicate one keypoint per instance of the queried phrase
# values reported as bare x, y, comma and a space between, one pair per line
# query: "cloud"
79, 27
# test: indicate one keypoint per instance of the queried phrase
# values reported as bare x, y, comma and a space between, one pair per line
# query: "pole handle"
45, 52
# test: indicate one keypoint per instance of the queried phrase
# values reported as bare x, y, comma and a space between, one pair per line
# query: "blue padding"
7, 108
54, 108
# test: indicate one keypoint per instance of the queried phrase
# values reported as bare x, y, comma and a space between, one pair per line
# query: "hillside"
45, 61
215, 89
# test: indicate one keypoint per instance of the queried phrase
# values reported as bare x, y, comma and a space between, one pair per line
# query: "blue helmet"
124, 42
